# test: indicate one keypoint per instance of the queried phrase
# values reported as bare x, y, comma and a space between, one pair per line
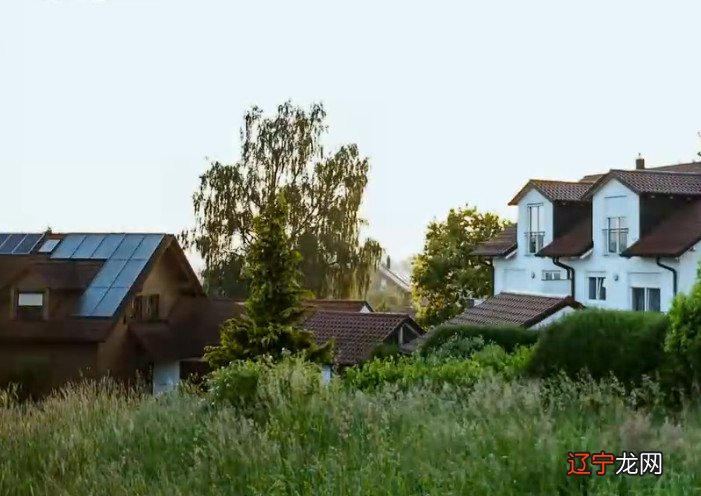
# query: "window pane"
612, 241
602, 289
622, 224
653, 299
592, 288
638, 299
622, 240
30, 300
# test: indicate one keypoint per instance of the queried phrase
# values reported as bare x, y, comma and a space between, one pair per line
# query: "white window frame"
534, 230
646, 298
600, 284
553, 275
31, 299
618, 226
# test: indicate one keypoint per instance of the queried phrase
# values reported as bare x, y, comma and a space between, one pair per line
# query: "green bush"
386, 350
683, 340
410, 371
258, 386
627, 345
508, 337
459, 347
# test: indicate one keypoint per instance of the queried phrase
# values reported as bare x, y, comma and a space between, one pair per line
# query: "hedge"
508, 337
625, 344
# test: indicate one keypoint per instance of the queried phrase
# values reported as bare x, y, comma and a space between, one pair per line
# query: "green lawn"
498, 438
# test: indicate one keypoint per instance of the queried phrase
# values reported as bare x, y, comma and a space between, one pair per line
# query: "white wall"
523, 272
557, 315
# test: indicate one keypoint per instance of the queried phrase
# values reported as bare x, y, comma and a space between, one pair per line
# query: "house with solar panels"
128, 305
85, 305
627, 239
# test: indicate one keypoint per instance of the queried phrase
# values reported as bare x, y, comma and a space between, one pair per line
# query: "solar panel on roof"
49, 245
89, 300
3, 238
128, 246
27, 244
11, 243
110, 303
127, 277
108, 246
88, 246
147, 247
68, 246
126, 257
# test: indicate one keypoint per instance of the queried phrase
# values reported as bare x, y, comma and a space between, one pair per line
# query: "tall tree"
274, 305
446, 273
284, 153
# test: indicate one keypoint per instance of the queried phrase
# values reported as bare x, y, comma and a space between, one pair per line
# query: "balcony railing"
615, 240
534, 241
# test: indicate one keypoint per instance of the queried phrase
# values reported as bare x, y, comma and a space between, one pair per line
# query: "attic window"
30, 306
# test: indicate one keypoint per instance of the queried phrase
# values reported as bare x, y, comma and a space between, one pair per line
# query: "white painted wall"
522, 273
556, 316
166, 376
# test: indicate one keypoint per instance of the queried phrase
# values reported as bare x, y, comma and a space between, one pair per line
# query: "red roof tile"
575, 242
356, 334
513, 309
651, 181
500, 245
671, 237
553, 190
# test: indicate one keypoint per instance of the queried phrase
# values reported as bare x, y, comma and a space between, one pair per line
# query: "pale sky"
109, 108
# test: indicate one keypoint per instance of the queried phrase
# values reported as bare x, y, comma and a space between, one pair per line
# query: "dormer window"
29, 305
616, 234
535, 233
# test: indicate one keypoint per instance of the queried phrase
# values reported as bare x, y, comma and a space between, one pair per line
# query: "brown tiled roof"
575, 242
500, 245
553, 190
356, 334
652, 181
591, 178
513, 309
690, 167
671, 237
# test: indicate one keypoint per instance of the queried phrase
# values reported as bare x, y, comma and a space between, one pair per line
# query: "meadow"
496, 436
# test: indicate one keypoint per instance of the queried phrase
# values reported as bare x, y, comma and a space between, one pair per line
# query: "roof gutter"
672, 270
570, 271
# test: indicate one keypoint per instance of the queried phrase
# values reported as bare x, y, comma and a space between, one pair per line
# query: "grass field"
496, 438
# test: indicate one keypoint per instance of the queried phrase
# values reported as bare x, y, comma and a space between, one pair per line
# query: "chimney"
639, 163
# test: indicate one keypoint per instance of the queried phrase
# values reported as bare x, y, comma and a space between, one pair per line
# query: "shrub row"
507, 337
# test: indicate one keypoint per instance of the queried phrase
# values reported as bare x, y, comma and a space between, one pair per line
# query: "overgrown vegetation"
270, 326
451, 336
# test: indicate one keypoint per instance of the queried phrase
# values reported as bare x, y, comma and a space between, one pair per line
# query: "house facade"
625, 239
128, 306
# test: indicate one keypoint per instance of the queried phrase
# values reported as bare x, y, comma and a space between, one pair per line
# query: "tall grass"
497, 437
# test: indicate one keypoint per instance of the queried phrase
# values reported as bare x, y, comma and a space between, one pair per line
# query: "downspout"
570, 271
672, 270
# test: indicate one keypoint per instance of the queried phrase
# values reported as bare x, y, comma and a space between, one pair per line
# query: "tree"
446, 273
284, 153
275, 303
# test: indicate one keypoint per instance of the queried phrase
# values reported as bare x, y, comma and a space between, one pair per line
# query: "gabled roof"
689, 167
573, 243
500, 245
513, 309
671, 237
652, 181
396, 279
356, 334
553, 190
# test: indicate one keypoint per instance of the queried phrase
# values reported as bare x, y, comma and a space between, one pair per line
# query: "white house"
626, 239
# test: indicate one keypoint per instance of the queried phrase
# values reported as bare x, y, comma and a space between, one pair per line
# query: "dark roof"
553, 190
500, 245
691, 167
513, 309
671, 237
575, 242
653, 182
356, 334
67, 275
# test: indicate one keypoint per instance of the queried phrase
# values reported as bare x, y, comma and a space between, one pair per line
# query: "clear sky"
109, 108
